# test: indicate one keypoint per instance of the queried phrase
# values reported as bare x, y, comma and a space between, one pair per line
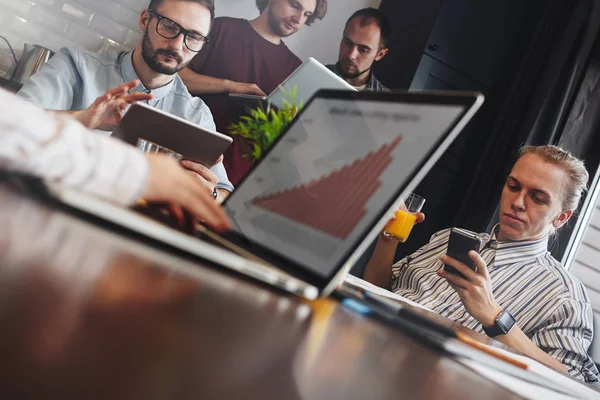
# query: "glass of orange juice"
400, 227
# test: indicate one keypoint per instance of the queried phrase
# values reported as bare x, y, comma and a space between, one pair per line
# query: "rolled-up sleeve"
53, 86
567, 336
423, 254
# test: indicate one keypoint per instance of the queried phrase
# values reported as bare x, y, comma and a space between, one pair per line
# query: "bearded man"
97, 88
364, 43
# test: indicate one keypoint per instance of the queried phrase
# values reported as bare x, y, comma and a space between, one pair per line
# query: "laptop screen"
331, 177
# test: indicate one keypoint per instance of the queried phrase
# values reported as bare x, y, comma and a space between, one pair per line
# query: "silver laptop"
304, 82
308, 210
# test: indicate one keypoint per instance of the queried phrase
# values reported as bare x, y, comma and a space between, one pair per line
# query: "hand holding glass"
150, 147
400, 227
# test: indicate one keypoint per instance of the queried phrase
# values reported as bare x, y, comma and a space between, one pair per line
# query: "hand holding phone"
461, 242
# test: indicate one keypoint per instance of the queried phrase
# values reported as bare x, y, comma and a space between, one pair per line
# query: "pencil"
489, 350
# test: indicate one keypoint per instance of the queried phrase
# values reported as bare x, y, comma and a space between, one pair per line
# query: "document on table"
519, 387
536, 382
355, 282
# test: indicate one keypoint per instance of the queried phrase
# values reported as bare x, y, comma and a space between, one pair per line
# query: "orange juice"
400, 227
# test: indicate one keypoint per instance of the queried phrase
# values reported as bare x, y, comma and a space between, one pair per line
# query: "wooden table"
88, 313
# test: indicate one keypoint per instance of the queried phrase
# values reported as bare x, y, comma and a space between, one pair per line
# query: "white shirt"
61, 150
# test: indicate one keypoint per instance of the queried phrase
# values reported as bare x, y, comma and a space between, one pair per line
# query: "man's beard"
356, 74
275, 25
151, 57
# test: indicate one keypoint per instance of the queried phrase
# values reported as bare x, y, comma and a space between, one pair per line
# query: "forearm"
76, 115
517, 340
203, 84
379, 267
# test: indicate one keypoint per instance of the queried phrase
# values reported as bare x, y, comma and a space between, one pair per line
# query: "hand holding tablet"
193, 142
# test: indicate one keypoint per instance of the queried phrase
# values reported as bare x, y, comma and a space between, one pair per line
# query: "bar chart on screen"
334, 203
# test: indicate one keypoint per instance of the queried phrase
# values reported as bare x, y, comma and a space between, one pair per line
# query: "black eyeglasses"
170, 29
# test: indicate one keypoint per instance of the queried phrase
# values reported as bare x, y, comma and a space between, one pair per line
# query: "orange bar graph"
334, 203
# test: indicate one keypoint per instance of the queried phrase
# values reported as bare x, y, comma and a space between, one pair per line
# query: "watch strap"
503, 323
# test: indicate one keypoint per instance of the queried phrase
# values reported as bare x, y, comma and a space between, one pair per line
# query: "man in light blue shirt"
96, 89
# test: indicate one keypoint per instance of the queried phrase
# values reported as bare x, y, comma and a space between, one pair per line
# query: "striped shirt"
550, 305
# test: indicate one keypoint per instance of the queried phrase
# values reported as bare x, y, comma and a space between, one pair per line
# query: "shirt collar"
373, 83
514, 252
129, 74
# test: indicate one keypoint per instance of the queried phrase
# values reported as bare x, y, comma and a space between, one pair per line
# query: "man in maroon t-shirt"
247, 57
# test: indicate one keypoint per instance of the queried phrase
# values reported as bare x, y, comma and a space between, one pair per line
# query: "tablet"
248, 96
195, 143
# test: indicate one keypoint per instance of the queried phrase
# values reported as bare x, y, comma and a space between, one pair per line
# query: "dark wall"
412, 22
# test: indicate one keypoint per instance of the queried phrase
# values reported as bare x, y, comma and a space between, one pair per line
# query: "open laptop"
305, 81
320, 196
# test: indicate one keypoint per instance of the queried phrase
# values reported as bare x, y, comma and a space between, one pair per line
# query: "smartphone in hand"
460, 244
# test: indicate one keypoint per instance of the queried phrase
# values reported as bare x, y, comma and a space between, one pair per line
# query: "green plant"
262, 126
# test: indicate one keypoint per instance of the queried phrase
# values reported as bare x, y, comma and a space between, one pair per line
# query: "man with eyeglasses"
97, 88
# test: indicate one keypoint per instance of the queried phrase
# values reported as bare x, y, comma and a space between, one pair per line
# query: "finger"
479, 262
123, 107
460, 267
457, 289
137, 96
208, 188
454, 279
192, 166
420, 217
100, 100
254, 89
201, 170
170, 183
203, 207
122, 88
177, 212
117, 91
219, 160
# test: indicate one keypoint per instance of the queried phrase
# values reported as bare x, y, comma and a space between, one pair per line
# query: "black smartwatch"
502, 324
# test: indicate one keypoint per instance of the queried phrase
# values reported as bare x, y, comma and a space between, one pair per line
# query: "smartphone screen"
459, 246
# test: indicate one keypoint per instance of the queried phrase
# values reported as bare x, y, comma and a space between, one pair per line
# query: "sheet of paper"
524, 389
351, 281
574, 387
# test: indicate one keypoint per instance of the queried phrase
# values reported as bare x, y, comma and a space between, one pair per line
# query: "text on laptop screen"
326, 182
